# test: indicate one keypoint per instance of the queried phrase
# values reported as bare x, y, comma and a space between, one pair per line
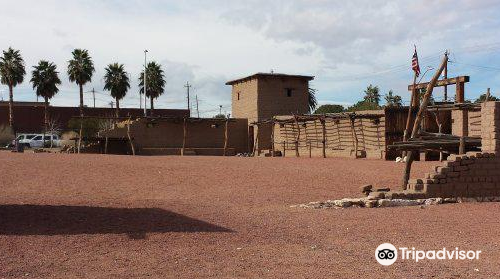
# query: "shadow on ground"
72, 220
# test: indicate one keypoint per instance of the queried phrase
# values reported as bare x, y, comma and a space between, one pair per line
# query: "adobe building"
262, 96
29, 116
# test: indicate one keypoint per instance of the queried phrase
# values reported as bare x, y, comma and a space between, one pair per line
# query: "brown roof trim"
258, 75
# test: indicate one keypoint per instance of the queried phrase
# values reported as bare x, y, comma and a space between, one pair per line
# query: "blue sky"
346, 45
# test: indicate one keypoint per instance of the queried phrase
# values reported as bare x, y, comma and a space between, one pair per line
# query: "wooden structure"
352, 132
458, 81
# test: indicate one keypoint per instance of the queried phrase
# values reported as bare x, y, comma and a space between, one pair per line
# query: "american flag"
414, 63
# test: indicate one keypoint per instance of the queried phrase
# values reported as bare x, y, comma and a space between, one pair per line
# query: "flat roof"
274, 75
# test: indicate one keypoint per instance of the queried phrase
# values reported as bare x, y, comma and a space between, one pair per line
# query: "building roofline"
258, 75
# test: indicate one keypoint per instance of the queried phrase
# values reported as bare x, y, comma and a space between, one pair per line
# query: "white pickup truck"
50, 140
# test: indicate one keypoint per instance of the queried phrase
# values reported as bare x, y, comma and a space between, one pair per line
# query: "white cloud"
345, 44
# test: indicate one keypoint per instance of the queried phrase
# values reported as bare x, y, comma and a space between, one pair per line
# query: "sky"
346, 45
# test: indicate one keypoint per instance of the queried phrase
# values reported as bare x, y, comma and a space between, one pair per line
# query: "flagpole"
413, 99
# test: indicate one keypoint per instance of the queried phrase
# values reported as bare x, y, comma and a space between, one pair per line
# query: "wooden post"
459, 95
226, 127
461, 148
487, 95
106, 146
184, 136
310, 149
297, 137
129, 137
272, 137
284, 149
256, 141
354, 136
80, 134
410, 108
418, 120
323, 141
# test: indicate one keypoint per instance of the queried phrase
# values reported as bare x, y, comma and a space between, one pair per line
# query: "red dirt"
99, 216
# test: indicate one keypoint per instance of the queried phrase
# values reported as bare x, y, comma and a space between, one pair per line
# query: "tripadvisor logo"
387, 254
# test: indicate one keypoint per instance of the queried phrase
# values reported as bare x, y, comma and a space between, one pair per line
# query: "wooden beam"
323, 141
442, 82
459, 94
272, 138
106, 146
297, 137
418, 120
129, 137
226, 128
184, 136
354, 137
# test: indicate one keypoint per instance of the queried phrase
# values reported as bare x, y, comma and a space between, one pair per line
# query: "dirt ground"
102, 216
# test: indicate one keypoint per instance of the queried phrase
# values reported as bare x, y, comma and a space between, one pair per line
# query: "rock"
370, 203
343, 203
433, 201
384, 203
449, 200
376, 195
366, 189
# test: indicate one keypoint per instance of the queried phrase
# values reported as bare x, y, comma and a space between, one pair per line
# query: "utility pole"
93, 95
111, 104
197, 110
188, 86
145, 83
445, 77
220, 109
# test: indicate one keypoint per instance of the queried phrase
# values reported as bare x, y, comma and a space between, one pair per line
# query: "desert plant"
6, 135
11, 74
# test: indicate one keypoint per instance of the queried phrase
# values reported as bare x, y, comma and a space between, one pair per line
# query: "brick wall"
273, 99
475, 174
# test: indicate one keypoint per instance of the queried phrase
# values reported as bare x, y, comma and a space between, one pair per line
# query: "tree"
220, 116
155, 79
372, 94
393, 100
329, 109
364, 105
80, 70
117, 82
312, 102
482, 99
11, 74
45, 80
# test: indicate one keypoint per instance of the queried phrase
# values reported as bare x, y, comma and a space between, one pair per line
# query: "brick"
452, 174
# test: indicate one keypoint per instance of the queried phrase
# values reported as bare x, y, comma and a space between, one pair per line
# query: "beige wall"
162, 134
273, 99
339, 138
264, 97
246, 105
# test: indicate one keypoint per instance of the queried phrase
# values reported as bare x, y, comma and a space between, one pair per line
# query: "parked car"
24, 139
50, 140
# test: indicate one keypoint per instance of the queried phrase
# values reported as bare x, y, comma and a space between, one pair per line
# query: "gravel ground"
102, 216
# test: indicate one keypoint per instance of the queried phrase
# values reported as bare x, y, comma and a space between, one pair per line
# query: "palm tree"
117, 82
155, 82
372, 94
312, 102
45, 80
12, 73
80, 70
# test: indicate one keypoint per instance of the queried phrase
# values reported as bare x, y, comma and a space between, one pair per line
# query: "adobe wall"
339, 138
244, 100
475, 174
466, 123
159, 137
273, 99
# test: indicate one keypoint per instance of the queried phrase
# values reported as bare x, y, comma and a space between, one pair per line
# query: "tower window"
238, 95
288, 92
